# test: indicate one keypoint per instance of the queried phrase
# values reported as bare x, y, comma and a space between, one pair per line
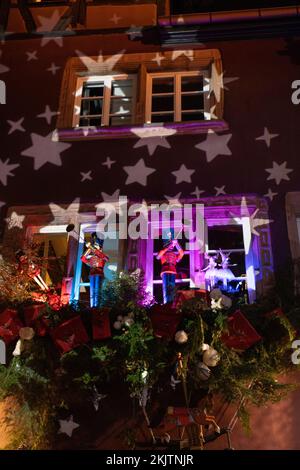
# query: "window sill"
124, 132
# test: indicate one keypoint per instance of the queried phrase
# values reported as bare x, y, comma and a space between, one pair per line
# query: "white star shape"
91, 64
220, 190
86, 176
183, 174
31, 56
187, 53
47, 24
253, 222
158, 59
279, 172
97, 397
6, 169
47, 114
174, 200
67, 426
45, 149
153, 137
15, 220
267, 137
215, 145
53, 68
108, 162
138, 173
270, 194
2, 203
115, 18
217, 82
114, 197
62, 215
16, 126
197, 192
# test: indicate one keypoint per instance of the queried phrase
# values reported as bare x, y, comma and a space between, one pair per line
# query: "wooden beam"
4, 13
27, 16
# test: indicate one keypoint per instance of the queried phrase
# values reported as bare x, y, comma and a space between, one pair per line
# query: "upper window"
104, 101
126, 91
178, 96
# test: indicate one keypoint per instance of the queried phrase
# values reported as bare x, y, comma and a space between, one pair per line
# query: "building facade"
177, 105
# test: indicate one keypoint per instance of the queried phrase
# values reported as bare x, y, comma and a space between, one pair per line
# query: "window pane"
192, 83
92, 89
163, 85
189, 102
197, 116
91, 107
162, 103
120, 120
122, 88
229, 237
162, 118
121, 106
95, 122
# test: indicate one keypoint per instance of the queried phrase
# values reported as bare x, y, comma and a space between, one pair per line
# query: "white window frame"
107, 79
177, 76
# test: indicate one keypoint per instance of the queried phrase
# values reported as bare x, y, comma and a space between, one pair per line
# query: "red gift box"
69, 335
165, 320
10, 325
241, 334
33, 316
101, 323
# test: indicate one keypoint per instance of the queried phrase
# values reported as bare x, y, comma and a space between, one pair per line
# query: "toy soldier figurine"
95, 259
170, 255
27, 267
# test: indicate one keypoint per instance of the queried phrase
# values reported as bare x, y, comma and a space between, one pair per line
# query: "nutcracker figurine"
26, 266
95, 259
170, 255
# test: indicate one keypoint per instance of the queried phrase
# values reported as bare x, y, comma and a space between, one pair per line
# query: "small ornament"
26, 334
211, 357
219, 300
203, 372
117, 325
181, 337
205, 347
128, 321
120, 318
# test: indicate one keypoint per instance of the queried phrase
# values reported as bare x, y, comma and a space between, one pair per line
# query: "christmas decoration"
211, 357
241, 334
26, 334
211, 271
202, 371
219, 300
225, 274
28, 267
10, 325
165, 320
34, 316
101, 324
181, 337
69, 335
95, 259
169, 258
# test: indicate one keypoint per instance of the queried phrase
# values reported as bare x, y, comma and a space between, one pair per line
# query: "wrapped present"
184, 295
10, 325
69, 335
241, 334
101, 323
181, 415
33, 316
165, 320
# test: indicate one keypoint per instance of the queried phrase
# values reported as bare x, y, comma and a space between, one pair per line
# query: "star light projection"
249, 222
6, 170
45, 149
15, 221
67, 426
138, 173
153, 137
279, 172
215, 145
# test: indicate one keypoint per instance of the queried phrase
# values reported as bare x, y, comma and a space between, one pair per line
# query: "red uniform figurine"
95, 259
26, 266
169, 258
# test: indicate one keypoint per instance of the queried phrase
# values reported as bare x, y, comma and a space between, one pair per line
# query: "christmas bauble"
211, 357
128, 321
117, 325
203, 372
181, 337
26, 333
120, 318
